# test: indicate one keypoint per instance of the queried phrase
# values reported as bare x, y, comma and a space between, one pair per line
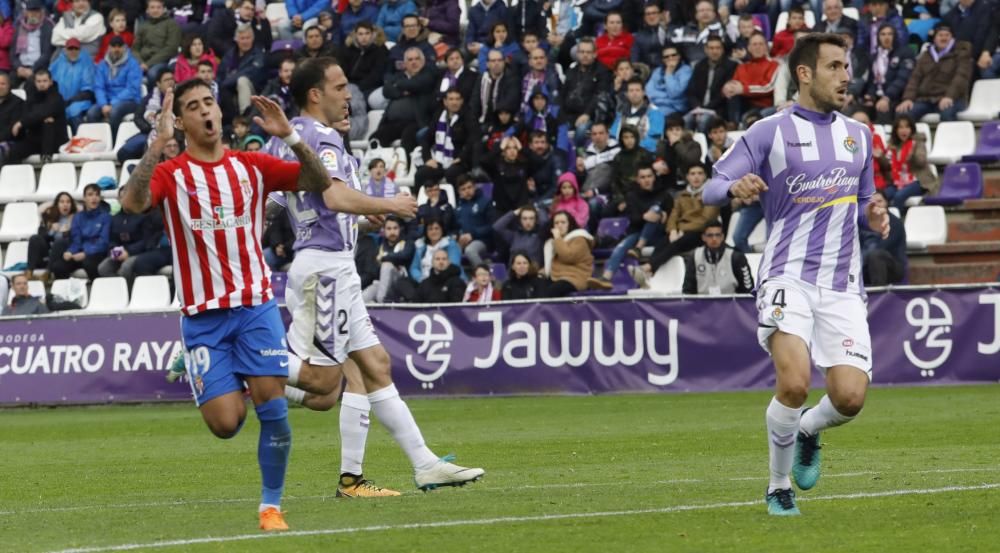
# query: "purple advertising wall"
920, 336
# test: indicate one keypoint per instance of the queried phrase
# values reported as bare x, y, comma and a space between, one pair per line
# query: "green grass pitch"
918, 471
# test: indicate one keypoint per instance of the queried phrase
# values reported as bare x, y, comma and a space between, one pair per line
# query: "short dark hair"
538, 134
42, 71
484, 267
715, 223
644, 167
183, 89
308, 75
806, 51
697, 164
454, 90
716, 38
375, 161
613, 12
92, 186
715, 123
797, 9
394, 219
208, 63
464, 178
319, 30
364, 24
410, 16
635, 80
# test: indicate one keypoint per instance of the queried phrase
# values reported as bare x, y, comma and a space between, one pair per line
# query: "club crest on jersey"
777, 314
850, 145
246, 188
329, 159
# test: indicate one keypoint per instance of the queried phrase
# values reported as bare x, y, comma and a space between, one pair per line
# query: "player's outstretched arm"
343, 198
136, 198
312, 174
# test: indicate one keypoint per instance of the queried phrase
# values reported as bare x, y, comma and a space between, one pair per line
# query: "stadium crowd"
542, 119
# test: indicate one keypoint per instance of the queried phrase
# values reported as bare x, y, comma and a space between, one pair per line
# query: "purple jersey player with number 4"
811, 168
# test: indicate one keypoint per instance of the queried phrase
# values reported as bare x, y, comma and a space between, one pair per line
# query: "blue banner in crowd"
612, 345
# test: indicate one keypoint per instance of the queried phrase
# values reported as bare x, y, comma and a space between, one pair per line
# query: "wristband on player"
292, 139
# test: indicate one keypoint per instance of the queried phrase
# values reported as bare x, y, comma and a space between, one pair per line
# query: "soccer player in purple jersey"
811, 168
331, 332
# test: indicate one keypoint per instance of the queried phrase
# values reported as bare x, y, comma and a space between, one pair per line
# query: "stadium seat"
988, 148
61, 287
783, 21
895, 211
108, 294
983, 104
101, 132
17, 253
669, 279
20, 222
126, 130
753, 259
499, 271
374, 118
883, 132
954, 139
611, 230
17, 182
758, 237
20, 93
851, 12
277, 15
486, 188
925, 225
150, 292
279, 45
702, 141
127, 169
55, 178
921, 128
960, 182
91, 172
448, 189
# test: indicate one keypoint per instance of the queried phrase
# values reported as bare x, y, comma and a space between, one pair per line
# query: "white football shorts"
329, 317
834, 325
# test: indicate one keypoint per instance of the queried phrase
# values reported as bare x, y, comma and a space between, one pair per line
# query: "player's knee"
226, 428
793, 394
322, 403
848, 404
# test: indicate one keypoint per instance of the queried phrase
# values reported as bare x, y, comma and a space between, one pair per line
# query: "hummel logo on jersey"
799, 144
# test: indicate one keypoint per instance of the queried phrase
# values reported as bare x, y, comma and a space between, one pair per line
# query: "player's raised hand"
165, 121
748, 188
272, 118
878, 219
404, 206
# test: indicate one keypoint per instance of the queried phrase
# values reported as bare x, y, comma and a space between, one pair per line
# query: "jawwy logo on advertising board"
929, 329
422, 330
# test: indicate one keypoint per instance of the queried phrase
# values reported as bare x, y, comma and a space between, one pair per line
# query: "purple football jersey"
818, 170
317, 226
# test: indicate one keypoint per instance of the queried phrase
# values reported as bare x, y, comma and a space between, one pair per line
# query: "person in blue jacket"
390, 17
434, 239
482, 16
356, 12
474, 217
300, 15
117, 85
90, 237
73, 72
667, 86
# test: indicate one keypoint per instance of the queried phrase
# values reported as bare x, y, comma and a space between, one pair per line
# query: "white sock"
295, 395
782, 427
354, 409
821, 417
265, 506
294, 366
393, 413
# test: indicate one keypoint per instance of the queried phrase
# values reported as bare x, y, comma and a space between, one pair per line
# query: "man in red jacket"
752, 86
615, 43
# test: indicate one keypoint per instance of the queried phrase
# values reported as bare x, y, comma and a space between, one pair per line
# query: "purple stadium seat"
960, 182
487, 188
764, 22
988, 149
279, 45
612, 229
499, 272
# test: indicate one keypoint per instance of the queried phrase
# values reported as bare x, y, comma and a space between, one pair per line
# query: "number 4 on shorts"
778, 299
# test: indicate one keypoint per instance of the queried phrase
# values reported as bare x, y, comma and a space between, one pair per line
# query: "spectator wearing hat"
117, 85
82, 23
157, 39
73, 72
941, 78
31, 48
879, 12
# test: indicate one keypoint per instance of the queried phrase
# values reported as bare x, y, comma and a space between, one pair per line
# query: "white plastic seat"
97, 131
925, 225
127, 169
20, 222
983, 104
126, 130
894, 211
921, 128
954, 139
669, 279
753, 260
20, 93
783, 21
277, 16
374, 118
91, 172
108, 294
448, 190
702, 141
55, 178
60, 288
150, 292
17, 252
17, 183
852, 12
758, 236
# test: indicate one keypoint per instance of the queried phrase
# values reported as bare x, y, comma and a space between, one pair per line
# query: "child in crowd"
379, 185
117, 23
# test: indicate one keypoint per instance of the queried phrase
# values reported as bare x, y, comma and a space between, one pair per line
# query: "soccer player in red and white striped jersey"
212, 201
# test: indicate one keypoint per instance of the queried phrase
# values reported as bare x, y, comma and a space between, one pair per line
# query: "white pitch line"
187, 502
511, 520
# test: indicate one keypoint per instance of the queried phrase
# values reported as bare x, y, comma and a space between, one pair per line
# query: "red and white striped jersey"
213, 214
